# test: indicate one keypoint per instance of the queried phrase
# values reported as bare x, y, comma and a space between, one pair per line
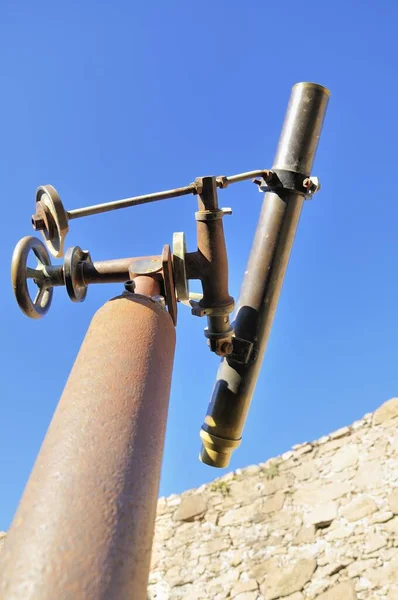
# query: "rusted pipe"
236, 379
84, 526
210, 265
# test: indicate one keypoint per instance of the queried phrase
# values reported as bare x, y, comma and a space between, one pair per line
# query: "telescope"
84, 526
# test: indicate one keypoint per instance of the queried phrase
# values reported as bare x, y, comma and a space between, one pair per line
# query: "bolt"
129, 286
225, 348
307, 183
38, 223
227, 211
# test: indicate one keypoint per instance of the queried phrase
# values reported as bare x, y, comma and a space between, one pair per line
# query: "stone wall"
319, 522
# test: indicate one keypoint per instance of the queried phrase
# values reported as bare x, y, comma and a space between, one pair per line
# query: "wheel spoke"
40, 296
32, 273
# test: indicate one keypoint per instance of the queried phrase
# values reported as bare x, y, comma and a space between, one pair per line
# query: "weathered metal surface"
210, 265
84, 526
234, 387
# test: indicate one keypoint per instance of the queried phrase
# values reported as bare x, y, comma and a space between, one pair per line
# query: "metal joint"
212, 215
292, 181
210, 311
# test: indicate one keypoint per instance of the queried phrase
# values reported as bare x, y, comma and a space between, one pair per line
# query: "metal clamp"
292, 181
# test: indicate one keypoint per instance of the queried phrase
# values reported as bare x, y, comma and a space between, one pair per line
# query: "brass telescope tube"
85, 523
222, 430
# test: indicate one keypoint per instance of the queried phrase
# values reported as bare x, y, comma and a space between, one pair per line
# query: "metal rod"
222, 430
85, 523
119, 270
86, 211
224, 181
126, 202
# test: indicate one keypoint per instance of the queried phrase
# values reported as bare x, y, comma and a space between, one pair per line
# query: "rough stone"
305, 535
387, 411
381, 517
360, 566
323, 515
245, 596
345, 457
393, 501
359, 508
385, 575
240, 587
287, 580
273, 503
190, 508
341, 591
374, 542
339, 433
392, 526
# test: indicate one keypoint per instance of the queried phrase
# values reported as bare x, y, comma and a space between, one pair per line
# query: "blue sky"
105, 100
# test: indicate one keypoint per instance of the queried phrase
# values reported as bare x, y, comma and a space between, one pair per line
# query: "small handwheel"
53, 219
20, 273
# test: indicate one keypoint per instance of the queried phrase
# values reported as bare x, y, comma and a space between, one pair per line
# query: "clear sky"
106, 100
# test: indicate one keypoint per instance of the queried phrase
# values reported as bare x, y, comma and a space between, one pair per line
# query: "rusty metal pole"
85, 523
226, 415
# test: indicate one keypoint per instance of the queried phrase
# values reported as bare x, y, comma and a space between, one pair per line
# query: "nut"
38, 223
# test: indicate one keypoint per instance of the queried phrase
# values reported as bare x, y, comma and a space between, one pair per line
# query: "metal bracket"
292, 181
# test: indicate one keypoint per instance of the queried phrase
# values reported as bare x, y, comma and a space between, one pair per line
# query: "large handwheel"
20, 273
53, 219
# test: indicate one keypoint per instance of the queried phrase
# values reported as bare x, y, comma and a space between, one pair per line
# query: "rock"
305, 535
387, 574
360, 566
392, 526
295, 596
339, 433
393, 501
345, 457
272, 503
237, 515
246, 596
191, 507
369, 476
387, 411
381, 517
323, 515
303, 449
393, 594
321, 493
339, 533
359, 508
341, 591
287, 580
374, 541
250, 585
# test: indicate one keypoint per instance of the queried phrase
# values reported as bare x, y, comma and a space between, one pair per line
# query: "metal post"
222, 430
84, 526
